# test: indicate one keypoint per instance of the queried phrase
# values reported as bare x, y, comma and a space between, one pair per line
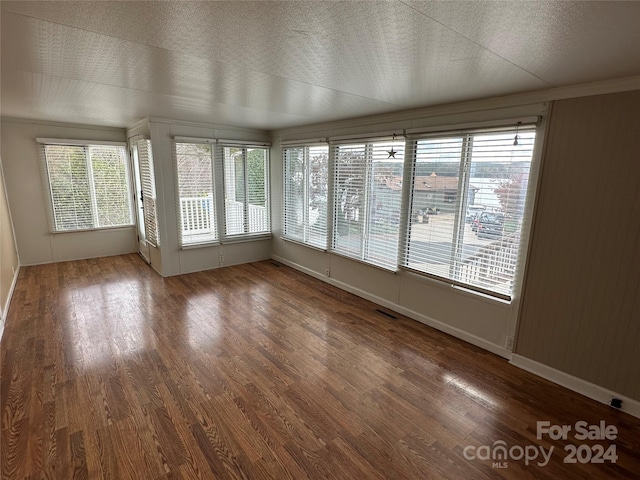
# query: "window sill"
308, 245
226, 241
86, 230
192, 246
393, 270
246, 238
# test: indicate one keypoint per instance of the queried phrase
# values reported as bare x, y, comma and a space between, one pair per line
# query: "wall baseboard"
578, 385
431, 322
75, 259
583, 387
5, 307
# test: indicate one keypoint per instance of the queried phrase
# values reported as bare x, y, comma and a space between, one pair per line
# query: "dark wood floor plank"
257, 371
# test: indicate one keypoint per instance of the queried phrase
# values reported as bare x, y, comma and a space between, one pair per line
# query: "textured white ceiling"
271, 65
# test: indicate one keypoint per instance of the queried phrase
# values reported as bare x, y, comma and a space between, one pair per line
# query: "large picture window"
306, 175
368, 200
467, 204
89, 186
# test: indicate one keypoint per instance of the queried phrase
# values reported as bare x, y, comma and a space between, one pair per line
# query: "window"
246, 196
144, 162
305, 194
205, 171
88, 186
368, 200
196, 202
467, 205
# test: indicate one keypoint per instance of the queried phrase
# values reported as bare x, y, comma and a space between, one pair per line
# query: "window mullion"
408, 173
461, 195
366, 210
92, 187
219, 189
332, 204
306, 168
215, 218
245, 179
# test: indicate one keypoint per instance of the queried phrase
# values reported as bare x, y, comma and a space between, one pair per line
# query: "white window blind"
467, 204
368, 200
246, 193
305, 194
196, 199
89, 186
148, 188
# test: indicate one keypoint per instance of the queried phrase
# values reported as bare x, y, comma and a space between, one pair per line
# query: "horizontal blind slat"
147, 184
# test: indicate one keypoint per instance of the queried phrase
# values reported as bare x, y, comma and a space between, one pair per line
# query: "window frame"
306, 168
369, 150
86, 145
213, 218
219, 217
246, 234
531, 124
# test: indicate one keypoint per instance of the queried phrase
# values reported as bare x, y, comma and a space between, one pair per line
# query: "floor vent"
275, 264
386, 314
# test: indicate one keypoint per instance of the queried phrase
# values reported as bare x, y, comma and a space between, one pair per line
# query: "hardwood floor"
258, 371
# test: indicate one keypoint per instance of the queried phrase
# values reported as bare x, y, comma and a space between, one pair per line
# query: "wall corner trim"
5, 307
578, 385
443, 327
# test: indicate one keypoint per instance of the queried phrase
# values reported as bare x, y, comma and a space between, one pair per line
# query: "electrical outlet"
221, 258
327, 272
509, 343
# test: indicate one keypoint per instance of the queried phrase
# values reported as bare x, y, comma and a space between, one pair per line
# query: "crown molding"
213, 126
49, 123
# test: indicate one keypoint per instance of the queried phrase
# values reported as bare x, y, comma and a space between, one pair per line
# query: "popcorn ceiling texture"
273, 65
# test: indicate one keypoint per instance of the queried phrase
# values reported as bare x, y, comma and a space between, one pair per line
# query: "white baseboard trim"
431, 322
75, 259
583, 387
5, 307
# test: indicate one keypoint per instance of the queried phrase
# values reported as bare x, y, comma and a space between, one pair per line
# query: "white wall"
581, 310
174, 260
26, 194
9, 266
476, 318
